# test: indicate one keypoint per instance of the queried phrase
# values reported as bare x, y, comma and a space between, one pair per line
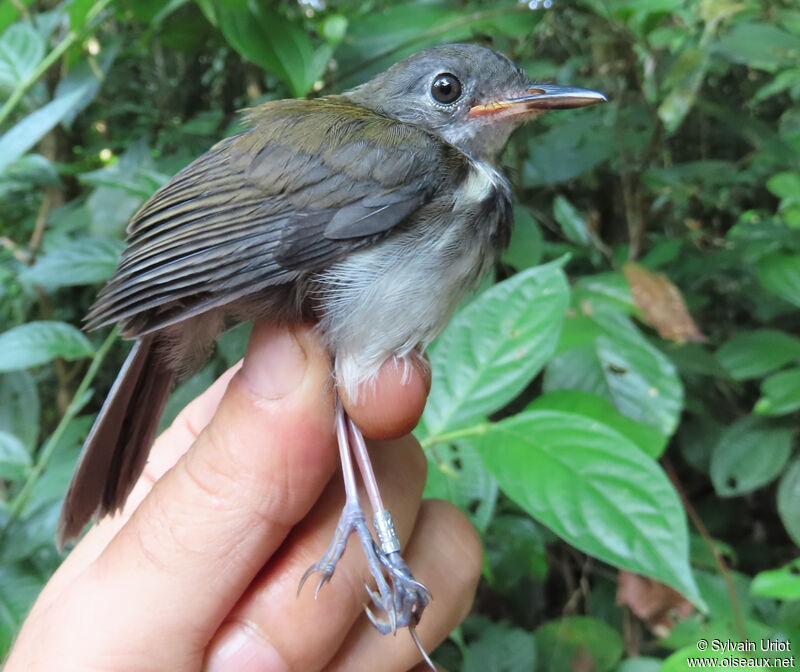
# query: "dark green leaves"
18, 140
780, 393
780, 274
595, 489
82, 262
789, 500
751, 354
21, 50
749, 454
781, 584
37, 343
500, 649
570, 221
14, 458
576, 641
278, 45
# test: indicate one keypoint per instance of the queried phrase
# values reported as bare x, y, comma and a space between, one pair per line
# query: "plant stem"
70, 38
19, 502
702, 530
475, 430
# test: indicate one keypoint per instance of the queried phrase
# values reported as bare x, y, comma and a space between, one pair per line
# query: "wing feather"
294, 193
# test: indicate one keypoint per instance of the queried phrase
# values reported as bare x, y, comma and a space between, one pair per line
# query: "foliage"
588, 413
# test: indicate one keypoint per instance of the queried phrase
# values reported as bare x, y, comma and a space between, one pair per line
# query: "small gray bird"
372, 212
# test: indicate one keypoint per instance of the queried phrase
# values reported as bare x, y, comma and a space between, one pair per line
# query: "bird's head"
469, 95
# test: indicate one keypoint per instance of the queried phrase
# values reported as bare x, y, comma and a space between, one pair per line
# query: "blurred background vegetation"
616, 412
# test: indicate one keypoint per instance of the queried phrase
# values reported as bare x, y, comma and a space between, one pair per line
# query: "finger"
393, 405
209, 524
272, 622
446, 550
168, 447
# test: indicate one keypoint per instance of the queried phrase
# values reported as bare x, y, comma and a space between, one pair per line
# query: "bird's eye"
446, 88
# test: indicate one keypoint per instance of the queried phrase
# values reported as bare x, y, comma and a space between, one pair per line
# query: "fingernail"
275, 363
238, 648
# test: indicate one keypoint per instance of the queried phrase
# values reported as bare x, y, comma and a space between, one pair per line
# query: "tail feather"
116, 449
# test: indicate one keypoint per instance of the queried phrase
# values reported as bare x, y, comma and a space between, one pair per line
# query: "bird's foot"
409, 597
353, 520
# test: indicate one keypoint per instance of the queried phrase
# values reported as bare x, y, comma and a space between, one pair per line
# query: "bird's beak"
539, 98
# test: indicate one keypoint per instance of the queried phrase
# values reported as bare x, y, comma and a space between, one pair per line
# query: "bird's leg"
352, 520
410, 596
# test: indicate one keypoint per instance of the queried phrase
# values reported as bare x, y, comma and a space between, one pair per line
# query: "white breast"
481, 181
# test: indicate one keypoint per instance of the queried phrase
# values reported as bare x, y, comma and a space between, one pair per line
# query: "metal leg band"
387, 537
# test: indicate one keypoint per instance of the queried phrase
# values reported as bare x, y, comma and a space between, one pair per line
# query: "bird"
347, 209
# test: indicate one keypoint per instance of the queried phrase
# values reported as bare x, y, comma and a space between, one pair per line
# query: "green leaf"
14, 458
19, 407
525, 248
37, 343
21, 50
780, 393
779, 273
266, 38
778, 584
500, 648
680, 660
19, 139
78, 9
618, 363
18, 589
578, 642
383, 37
603, 291
750, 453
683, 82
595, 489
570, 221
9, 11
568, 149
457, 474
642, 664
53, 483
495, 346
785, 185
595, 407
85, 261
30, 169
759, 45
86, 75
752, 354
789, 500
515, 550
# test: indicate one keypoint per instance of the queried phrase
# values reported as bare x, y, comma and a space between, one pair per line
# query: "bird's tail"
116, 449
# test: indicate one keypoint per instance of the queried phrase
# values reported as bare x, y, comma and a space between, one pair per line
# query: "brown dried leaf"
662, 305
655, 603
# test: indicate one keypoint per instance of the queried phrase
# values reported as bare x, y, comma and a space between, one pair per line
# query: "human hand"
200, 570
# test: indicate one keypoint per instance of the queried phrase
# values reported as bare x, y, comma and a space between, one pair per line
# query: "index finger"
210, 523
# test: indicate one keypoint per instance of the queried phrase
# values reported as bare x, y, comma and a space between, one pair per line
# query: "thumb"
212, 521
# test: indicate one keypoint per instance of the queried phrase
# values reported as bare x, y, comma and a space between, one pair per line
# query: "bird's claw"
409, 596
353, 520
399, 595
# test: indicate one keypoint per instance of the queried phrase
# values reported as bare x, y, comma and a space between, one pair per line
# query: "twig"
35, 243
702, 530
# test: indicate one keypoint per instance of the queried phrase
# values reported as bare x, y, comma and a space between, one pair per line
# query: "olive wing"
307, 183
